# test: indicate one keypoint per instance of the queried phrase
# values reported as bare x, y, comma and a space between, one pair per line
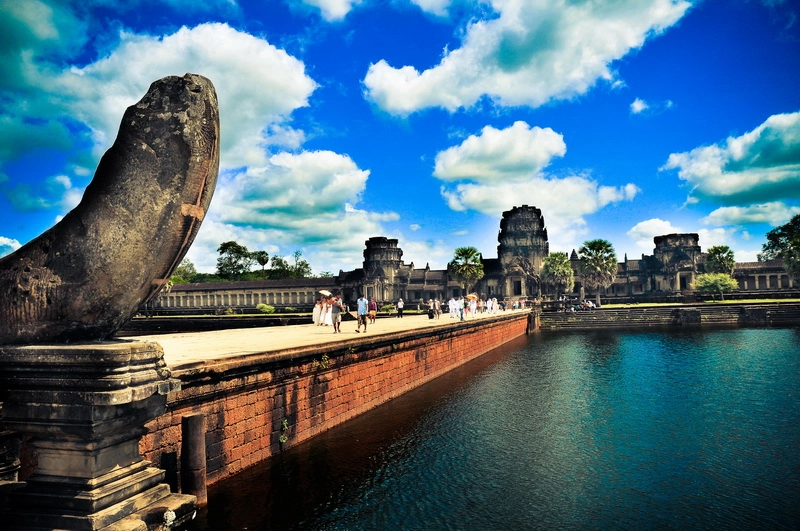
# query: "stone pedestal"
84, 408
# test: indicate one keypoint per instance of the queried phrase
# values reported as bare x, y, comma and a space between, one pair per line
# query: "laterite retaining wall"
257, 404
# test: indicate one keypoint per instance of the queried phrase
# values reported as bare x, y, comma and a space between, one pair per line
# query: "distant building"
676, 261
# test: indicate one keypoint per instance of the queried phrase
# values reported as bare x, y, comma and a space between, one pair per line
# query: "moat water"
696, 429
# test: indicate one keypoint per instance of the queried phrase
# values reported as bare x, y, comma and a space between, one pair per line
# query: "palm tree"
262, 257
598, 264
556, 270
719, 259
466, 266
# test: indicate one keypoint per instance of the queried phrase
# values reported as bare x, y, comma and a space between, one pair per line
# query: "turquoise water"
686, 430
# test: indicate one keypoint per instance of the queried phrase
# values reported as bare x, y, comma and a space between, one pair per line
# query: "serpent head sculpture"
82, 279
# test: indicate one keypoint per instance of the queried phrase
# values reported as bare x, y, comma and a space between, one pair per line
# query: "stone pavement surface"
186, 349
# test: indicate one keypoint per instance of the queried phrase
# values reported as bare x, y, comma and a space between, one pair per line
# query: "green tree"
279, 268
719, 259
302, 269
466, 266
557, 271
598, 266
784, 242
234, 260
262, 257
715, 283
185, 272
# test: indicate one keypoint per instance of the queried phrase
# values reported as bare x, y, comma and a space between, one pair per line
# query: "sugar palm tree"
556, 270
598, 264
466, 266
719, 259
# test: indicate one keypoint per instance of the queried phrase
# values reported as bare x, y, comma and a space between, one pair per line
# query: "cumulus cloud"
257, 84
527, 53
501, 168
295, 201
773, 213
643, 233
76, 110
500, 154
759, 166
293, 186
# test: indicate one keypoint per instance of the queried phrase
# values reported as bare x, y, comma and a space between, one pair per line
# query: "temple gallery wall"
522, 246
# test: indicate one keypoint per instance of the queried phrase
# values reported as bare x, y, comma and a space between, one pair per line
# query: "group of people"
328, 312
464, 307
328, 309
585, 305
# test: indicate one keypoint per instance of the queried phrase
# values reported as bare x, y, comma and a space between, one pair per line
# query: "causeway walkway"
182, 350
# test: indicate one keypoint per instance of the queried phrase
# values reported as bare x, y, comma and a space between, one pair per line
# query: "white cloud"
639, 106
564, 201
258, 85
291, 187
774, 213
643, 233
299, 201
506, 168
719, 236
436, 253
533, 52
500, 154
8, 245
333, 10
436, 7
761, 165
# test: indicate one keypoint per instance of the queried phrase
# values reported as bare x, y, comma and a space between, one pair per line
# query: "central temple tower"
522, 250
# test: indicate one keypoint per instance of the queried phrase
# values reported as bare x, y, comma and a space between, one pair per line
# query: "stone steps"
736, 314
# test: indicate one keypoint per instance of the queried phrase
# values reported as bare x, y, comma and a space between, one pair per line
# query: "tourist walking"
361, 311
400, 308
325, 312
373, 309
336, 313
316, 313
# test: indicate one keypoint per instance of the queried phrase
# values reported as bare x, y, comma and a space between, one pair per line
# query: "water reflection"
687, 429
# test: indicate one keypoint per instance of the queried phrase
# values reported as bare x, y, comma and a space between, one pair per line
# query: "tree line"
597, 266
236, 263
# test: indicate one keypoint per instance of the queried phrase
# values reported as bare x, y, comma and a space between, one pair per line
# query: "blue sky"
423, 120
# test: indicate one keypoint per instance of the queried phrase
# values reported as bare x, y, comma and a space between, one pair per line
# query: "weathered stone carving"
86, 276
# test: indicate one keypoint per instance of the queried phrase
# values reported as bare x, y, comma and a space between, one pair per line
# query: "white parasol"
325, 292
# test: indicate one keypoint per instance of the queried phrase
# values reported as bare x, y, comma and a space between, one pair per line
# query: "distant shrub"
265, 308
388, 308
290, 309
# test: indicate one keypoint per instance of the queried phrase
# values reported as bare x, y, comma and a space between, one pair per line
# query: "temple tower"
384, 271
522, 250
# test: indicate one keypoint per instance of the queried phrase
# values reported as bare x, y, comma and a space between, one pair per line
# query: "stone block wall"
256, 405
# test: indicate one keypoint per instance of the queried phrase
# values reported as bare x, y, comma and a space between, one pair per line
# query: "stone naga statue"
86, 276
